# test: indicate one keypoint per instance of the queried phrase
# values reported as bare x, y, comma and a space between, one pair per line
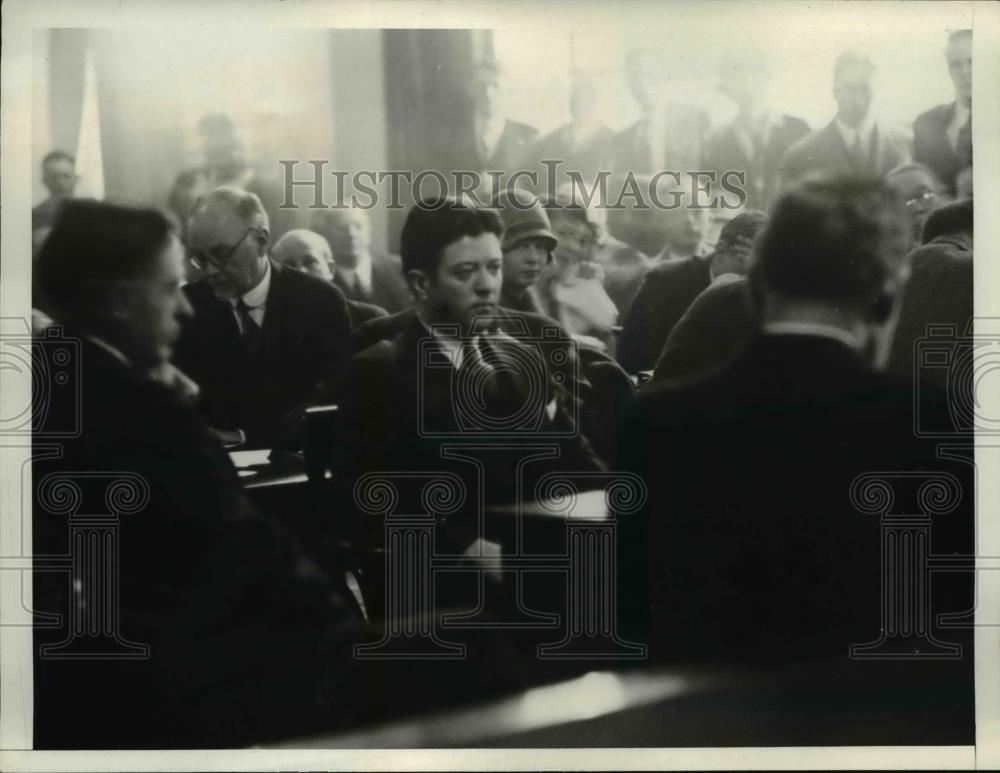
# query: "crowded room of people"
505, 387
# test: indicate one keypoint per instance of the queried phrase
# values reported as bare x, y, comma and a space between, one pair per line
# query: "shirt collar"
113, 351
257, 296
863, 129
814, 329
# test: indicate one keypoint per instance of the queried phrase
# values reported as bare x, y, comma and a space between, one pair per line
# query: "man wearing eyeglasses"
263, 336
921, 192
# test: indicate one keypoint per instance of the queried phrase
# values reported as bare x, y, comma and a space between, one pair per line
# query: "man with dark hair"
60, 179
199, 623
751, 543
942, 136
310, 253
853, 142
201, 576
361, 274
253, 345
940, 290
454, 375
721, 320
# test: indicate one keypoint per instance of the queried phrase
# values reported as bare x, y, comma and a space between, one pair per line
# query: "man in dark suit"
308, 252
263, 336
497, 143
754, 543
668, 135
452, 376
60, 178
583, 145
852, 143
202, 623
239, 627
722, 319
361, 274
940, 290
758, 137
676, 277
942, 136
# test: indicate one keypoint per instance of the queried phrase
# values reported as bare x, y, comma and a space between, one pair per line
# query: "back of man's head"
839, 242
954, 219
433, 224
92, 247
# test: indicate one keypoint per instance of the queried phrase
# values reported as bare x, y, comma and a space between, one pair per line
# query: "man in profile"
751, 545
253, 346
853, 142
942, 136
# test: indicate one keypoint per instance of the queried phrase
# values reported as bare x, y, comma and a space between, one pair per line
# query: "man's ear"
419, 282
263, 238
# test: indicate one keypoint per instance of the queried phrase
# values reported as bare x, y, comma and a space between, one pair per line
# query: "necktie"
963, 147
477, 377
251, 330
858, 152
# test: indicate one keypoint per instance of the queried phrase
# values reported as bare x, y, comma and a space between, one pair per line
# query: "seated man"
722, 319
453, 378
239, 627
253, 346
940, 290
310, 253
360, 273
920, 190
755, 543
226, 635
678, 274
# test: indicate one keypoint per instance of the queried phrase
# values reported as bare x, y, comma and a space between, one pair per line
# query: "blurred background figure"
853, 142
940, 289
668, 135
624, 265
942, 137
498, 143
722, 319
758, 137
571, 289
60, 179
225, 163
361, 274
921, 191
310, 253
584, 144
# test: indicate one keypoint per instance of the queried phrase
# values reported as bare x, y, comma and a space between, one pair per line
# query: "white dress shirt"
256, 299
815, 329
865, 130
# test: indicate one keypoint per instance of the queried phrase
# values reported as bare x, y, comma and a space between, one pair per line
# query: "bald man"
308, 252
252, 346
361, 274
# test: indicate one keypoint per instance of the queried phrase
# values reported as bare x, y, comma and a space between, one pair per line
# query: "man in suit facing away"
853, 142
361, 274
263, 336
753, 543
307, 251
942, 136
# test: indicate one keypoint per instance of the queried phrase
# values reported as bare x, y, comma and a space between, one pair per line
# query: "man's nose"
184, 308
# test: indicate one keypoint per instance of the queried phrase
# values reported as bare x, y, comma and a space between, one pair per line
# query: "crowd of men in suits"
768, 397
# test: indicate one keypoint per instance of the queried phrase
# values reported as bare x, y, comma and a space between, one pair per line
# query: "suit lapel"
274, 313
